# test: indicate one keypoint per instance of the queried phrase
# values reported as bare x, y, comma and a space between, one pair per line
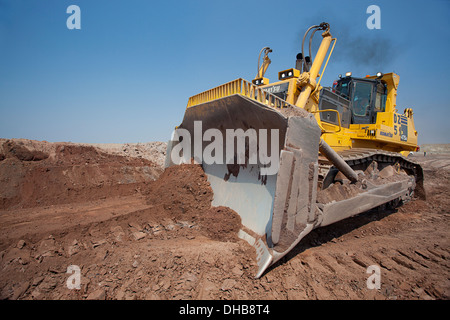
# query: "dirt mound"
183, 190
12, 149
48, 174
221, 223
183, 193
154, 151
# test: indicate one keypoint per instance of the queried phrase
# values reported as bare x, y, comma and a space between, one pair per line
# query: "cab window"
380, 99
342, 88
362, 95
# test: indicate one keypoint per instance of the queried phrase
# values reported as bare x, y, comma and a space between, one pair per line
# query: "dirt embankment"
135, 235
435, 149
39, 174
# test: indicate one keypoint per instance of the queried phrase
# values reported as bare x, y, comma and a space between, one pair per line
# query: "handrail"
338, 119
239, 86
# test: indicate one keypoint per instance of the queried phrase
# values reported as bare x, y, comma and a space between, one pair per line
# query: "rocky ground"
138, 232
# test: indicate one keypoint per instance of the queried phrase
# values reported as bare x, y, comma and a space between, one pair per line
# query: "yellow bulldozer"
291, 156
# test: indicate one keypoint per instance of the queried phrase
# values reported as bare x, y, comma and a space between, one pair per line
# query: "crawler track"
360, 158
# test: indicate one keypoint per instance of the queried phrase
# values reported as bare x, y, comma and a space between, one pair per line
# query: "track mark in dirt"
359, 262
412, 258
403, 262
327, 263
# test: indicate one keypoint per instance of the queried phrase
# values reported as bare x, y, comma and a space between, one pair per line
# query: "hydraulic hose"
322, 26
305, 67
267, 50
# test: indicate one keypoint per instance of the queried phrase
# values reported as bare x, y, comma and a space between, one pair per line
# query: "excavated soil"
138, 232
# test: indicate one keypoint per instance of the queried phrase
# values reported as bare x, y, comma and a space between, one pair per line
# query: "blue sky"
127, 74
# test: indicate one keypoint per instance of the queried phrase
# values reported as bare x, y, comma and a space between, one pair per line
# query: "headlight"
348, 74
286, 74
260, 81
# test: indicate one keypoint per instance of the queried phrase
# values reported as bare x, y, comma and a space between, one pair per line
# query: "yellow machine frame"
303, 91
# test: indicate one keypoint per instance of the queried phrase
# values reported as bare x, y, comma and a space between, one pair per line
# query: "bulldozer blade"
262, 162
276, 199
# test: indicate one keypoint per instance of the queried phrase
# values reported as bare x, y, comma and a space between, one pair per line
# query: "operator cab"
367, 97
